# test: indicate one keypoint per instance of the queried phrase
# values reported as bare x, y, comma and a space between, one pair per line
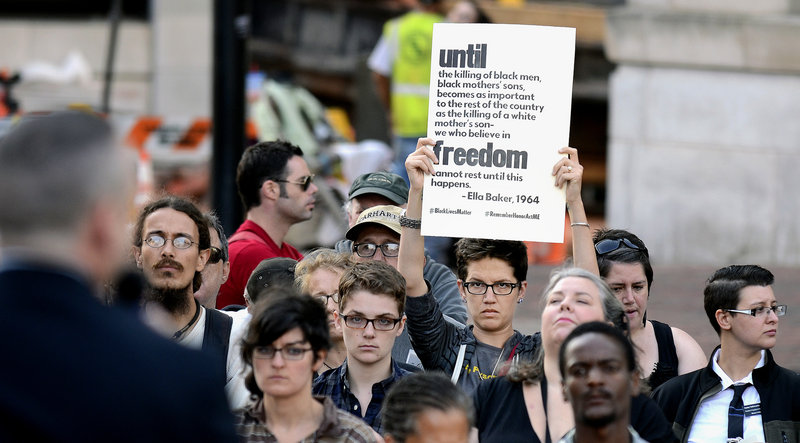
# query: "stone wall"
704, 148
162, 67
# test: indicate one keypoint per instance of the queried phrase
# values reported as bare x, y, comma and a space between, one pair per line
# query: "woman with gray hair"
318, 275
518, 407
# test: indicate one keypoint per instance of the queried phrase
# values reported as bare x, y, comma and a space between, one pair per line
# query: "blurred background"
685, 113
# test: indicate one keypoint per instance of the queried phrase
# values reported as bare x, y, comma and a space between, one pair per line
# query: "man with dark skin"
599, 378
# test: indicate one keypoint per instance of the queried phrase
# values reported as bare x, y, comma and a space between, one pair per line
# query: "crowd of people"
369, 341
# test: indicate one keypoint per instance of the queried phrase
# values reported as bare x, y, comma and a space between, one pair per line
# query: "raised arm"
411, 260
568, 171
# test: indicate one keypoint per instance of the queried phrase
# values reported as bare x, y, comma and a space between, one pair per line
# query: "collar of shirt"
725, 379
569, 437
397, 371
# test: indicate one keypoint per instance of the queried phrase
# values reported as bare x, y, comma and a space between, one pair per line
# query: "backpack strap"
459, 361
217, 336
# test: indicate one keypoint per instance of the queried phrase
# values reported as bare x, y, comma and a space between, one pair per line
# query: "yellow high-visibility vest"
412, 34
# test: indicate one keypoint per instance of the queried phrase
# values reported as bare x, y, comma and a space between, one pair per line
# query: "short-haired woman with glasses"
662, 351
285, 345
318, 274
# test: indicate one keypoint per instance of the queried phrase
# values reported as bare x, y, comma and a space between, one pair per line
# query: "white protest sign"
499, 110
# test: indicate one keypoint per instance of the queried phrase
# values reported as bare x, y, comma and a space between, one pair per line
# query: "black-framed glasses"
367, 250
499, 288
324, 298
216, 255
612, 244
287, 352
763, 311
380, 323
304, 183
180, 242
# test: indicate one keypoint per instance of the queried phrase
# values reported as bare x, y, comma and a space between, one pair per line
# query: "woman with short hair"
662, 351
318, 275
285, 345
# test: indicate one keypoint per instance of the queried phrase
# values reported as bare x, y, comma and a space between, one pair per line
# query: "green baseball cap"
387, 184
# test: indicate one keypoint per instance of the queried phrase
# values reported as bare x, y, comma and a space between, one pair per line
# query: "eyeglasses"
612, 244
180, 242
763, 311
499, 288
216, 255
304, 183
324, 298
380, 323
368, 249
288, 352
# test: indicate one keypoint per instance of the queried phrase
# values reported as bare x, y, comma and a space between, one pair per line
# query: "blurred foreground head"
65, 194
427, 407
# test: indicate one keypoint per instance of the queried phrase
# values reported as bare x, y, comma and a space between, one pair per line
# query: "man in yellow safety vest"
401, 69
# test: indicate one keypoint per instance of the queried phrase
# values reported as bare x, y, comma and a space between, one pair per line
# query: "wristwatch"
409, 222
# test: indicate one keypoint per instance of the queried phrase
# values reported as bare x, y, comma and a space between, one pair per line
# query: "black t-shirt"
501, 415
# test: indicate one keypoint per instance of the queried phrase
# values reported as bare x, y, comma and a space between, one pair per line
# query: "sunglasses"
304, 183
216, 255
610, 245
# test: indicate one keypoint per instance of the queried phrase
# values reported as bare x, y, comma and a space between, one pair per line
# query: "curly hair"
322, 258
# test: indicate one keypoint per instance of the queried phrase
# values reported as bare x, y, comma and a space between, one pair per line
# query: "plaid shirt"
333, 383
336, 426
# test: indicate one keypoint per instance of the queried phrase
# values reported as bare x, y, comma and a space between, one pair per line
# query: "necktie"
736, 412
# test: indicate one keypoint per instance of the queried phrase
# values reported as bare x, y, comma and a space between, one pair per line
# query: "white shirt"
238, 394
234, 366
711, 422
382, 58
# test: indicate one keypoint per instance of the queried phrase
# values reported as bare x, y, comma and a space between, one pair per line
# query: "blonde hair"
323, 258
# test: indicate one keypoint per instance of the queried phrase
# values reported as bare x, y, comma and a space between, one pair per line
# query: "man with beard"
599, 376
74, 369
171, 247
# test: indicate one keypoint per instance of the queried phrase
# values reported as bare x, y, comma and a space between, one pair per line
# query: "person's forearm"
383, 87
412, 248
582, 245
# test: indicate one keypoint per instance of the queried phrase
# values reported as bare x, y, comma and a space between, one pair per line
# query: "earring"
519, 301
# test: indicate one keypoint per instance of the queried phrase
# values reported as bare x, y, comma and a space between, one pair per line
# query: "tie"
736, 412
